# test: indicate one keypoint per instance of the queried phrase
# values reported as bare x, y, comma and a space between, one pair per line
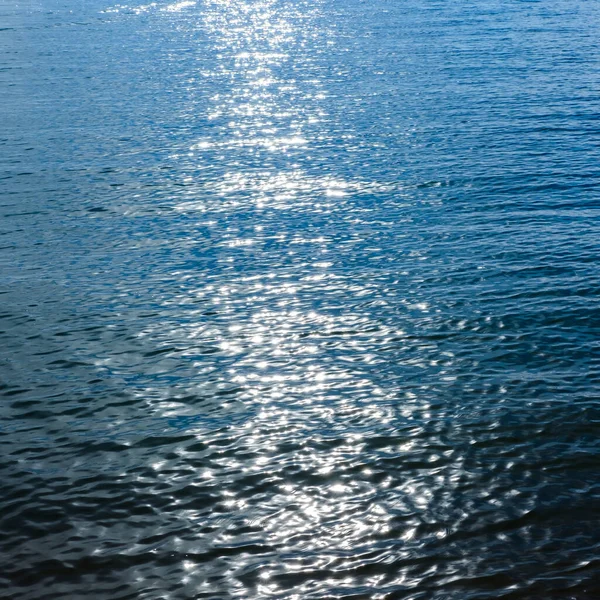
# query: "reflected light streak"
291, 376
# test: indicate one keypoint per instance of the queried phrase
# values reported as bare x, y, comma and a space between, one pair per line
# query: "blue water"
299, 300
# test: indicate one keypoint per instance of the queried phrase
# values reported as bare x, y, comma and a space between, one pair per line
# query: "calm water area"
299, 300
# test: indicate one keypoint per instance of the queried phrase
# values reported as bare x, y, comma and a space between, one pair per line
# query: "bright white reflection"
174, 7
269, 349
179, 6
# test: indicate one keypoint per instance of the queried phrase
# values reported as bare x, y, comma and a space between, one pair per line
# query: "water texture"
299, 299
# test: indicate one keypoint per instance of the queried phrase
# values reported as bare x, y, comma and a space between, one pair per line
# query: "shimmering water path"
299, 300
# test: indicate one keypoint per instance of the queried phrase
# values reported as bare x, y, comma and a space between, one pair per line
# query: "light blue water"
299, 300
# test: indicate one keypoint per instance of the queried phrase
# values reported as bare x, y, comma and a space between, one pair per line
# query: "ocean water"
299, 299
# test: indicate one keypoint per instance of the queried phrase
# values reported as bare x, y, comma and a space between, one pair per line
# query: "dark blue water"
299, 300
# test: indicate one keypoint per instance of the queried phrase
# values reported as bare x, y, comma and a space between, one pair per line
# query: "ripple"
298, 300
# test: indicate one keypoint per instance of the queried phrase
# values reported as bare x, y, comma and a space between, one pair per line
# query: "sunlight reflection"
291, 379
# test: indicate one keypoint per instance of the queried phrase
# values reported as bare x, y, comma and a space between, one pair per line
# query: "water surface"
299, 299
